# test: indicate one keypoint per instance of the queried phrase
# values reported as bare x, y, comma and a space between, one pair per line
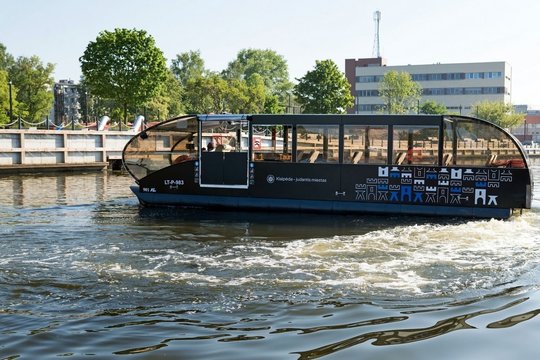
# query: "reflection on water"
62, 189
85, 272
404, 336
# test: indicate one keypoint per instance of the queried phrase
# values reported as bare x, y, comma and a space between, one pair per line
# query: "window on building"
365, 144
454, 76
365, 79
367, 93
419, 77
370, 107
474, 75
433, 91
473, 91
454, 91
493, 75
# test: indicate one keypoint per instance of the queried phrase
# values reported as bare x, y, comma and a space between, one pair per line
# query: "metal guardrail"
62, 149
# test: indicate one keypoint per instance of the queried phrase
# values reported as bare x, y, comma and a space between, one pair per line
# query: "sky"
302, 31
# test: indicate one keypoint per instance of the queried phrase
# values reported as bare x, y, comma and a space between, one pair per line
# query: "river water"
86, 273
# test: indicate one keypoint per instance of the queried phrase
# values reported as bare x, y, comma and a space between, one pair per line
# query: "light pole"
86, 108
10, 101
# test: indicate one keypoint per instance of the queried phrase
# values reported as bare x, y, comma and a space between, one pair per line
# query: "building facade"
66, 102
529, 131
457, 86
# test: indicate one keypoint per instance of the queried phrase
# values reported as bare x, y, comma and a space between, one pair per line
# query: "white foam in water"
418, 260
413, 260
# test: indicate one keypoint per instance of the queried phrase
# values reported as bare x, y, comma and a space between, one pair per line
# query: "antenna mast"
376, 44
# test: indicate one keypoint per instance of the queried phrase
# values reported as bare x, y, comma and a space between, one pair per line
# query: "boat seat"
400, 157
357, 157
491, 160
314, 155
447, 159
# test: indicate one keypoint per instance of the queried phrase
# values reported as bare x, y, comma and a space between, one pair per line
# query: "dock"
32, 150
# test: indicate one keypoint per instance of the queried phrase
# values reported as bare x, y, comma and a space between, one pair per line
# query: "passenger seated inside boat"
182, 158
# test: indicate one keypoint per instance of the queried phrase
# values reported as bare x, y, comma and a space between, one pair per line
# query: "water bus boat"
391, 164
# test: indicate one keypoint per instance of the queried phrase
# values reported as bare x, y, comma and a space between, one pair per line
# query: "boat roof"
268, 119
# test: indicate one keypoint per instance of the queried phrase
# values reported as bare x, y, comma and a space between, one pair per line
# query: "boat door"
225, 149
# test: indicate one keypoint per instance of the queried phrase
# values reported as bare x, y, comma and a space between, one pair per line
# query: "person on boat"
211, 146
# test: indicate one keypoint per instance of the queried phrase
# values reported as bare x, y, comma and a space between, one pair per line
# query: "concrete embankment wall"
60, 149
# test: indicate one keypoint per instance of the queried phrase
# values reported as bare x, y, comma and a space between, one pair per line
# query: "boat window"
160, 146
184, 147
365, 144
317, 143
416, 145
225, 136
482, 144
272, 143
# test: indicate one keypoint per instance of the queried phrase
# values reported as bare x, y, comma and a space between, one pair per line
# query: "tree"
34, 82
168, 101
271, 66
499, 113
433, 107
187, 66
6, 59
273, 105
246, 96
205, 95
399, 92
124, 65
4, 98
324, 90
213, 94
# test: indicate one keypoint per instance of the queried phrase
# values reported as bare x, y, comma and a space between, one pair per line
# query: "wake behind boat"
409, 164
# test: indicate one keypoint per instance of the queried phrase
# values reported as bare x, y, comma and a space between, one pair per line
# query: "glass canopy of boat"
325, 140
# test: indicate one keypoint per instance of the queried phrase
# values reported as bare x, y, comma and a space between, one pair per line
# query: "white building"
458, 86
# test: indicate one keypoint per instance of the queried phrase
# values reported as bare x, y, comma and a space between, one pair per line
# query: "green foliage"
399, 92
187, 66
213, 94
324, 90
4, 97
273, 105
125, 66
6, 59
34, 83
498, 113
267, 63
433, 107
168, 101
205, 94
251, 96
